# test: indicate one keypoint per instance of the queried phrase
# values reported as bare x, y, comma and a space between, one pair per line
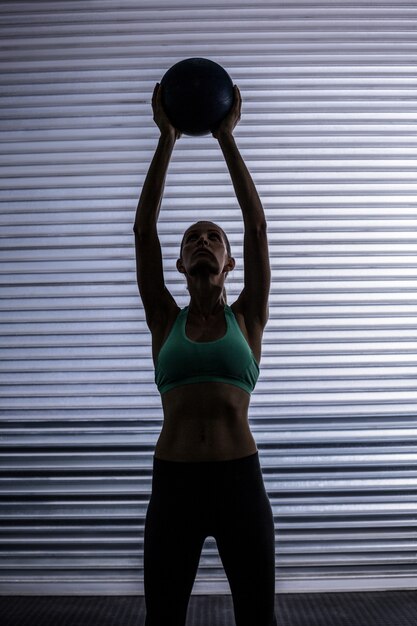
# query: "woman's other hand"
160, 117
228, 124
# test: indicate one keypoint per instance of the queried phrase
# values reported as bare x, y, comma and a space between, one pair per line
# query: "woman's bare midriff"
205, 422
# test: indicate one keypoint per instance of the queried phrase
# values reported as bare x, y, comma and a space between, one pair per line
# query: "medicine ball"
196, 95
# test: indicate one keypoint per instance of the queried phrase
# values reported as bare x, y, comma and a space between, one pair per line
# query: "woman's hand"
160, 117
227, 125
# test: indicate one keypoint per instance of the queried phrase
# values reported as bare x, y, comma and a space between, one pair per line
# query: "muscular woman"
207, 479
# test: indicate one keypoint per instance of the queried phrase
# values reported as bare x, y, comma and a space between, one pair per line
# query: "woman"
207, 480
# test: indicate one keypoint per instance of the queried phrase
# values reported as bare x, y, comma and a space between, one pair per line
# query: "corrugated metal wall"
329, 133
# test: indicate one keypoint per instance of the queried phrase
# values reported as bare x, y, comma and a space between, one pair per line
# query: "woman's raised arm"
156, 298
257, 273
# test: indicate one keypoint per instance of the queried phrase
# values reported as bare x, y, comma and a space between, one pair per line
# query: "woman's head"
196, 228
205, 249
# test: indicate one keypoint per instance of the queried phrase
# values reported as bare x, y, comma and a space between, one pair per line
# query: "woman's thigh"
172, 548
245, 537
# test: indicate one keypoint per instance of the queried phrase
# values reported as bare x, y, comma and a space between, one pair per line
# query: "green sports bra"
229, 359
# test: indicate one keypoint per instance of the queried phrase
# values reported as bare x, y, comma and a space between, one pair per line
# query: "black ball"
196, 95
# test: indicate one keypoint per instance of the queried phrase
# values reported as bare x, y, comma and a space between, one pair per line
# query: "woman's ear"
230, 265
180, 266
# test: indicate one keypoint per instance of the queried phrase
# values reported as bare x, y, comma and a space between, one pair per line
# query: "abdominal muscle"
205, 422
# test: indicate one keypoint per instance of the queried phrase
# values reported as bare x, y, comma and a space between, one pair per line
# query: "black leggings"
191, 501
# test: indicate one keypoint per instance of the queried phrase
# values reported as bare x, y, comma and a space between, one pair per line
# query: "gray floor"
333, 609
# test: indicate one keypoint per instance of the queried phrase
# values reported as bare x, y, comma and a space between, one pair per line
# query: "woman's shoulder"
252, 332
163, 326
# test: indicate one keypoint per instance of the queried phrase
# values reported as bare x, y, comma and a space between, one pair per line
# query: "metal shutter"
329, 133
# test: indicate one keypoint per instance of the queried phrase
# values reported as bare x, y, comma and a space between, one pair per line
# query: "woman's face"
204, 250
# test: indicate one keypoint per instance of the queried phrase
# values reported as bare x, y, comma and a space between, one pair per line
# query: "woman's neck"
206, 308
207, 299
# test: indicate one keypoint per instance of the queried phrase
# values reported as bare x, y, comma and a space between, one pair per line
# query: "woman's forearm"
150, 198
246, 193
